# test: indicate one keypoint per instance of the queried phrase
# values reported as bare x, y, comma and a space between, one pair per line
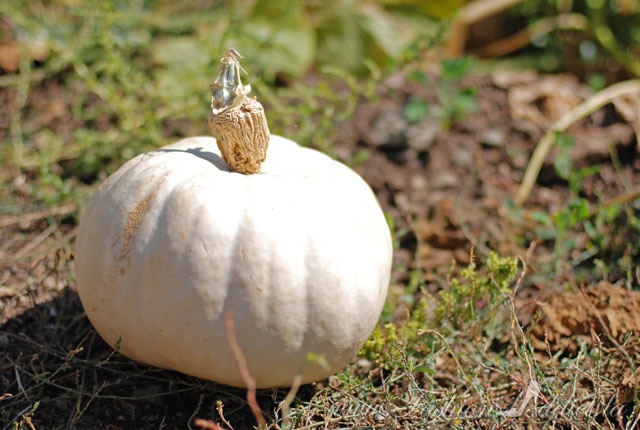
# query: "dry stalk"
581, 111
474, 11
8, 220
208, 425
502, 47
286, 403
237, 121
244, 369
219, 408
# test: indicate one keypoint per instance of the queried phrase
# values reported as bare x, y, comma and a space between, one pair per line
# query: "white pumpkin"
300, 253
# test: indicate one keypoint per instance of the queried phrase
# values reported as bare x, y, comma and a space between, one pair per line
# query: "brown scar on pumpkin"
132, 224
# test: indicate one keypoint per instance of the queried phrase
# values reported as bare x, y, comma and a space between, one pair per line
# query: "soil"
449, 185
454, 194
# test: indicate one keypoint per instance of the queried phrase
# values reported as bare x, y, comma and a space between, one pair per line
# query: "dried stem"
471, 13
244, 369
288, 400
8, 220
540, 28
207, 424
237, 121
584, 109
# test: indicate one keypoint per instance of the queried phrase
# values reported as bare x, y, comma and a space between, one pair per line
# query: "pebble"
389, 129
422, 135
444, 179
418, 182
493, 137
462, 157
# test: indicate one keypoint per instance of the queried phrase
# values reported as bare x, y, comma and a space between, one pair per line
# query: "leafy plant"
585, 36
461, 302
134, 76
453, 100
589, 234
475, 298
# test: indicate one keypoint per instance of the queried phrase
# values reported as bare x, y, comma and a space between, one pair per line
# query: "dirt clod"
602, 314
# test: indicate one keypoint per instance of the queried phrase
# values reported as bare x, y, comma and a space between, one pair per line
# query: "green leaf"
597, 82
564, 141
418, 76
562, 220
339, 38
415, 110
541, 217
382, 30
463, 102
590, 229
424, 369
454, 69
282, 36
441, 9
545, 233
562, 165
579, 210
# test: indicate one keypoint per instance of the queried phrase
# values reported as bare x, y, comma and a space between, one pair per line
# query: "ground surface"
449, 186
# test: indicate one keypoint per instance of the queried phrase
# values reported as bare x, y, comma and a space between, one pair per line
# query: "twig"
27, 420
540, 28
54, 246
219, 408
20, 414
623, 198
195, 411
19, 382
291, 395
584, 109
206, 424
6, 221
514, 316
472, 12
79, 412
35, 242
448, 347
244, 369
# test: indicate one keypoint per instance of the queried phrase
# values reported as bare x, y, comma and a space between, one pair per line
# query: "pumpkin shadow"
52, 355
200, 152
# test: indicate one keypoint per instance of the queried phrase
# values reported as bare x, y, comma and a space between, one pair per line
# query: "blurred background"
88, 84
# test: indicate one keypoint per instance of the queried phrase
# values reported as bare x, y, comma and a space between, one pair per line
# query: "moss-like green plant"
471, 290
591, 236
474, 299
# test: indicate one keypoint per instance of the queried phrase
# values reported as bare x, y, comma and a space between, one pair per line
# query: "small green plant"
470, 294
453, 100
594, 33
377, 342
600, 232
470, 301
123, 86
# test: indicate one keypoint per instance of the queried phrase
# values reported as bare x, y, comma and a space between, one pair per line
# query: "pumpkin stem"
237, 121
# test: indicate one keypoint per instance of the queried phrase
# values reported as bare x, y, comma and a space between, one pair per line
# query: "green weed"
475, 298
590, 235
453, 100
466, 292
128, 78
593, 33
